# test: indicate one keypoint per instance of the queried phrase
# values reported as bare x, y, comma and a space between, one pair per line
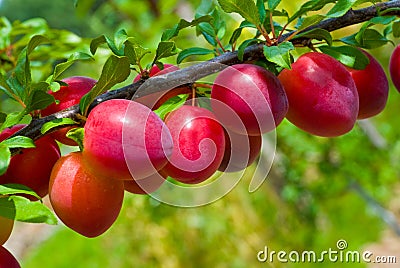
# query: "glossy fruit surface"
70, 95
6, 226
240, 151
86, 203
199, 144
7, 260
394, 67
32, 167
125, 140
323, 98
372, 87
144, 186
252, 94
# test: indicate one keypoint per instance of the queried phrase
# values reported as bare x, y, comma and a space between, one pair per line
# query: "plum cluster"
128, 147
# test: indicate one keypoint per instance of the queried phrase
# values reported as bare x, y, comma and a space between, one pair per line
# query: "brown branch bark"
195, 72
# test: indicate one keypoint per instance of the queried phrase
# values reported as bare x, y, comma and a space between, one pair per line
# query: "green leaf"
21, 77
171, 105
38, 101
340, 8
55, 123
389, 10
237, 32
3, 117
280, 54
246, 8
371, 38
396, 29
62, 67
171, 33
308, 21
119, 39
98, 41
208, 32
218, 23
5, 87
347, 55
165, 50
384, 20
318, 34
134, 51
77, 134
272, 4
5, 157
115, 70
244, 45
312, 5
22, 209
36, 41
12, 188
12, 119
262, 13
18, 142
193, 51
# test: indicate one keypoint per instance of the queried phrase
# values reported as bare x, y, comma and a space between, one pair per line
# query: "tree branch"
195, 72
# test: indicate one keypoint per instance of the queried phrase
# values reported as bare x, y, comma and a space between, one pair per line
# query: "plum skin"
85, 202
32, 167
394, 67
372, 86
146, 185
199, 144
240, 151
323, 98
253, 94
70, 95
125, 140
7, 260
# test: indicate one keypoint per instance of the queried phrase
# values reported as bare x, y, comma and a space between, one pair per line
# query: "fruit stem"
220, 44
272, 25
203, 85
193, 96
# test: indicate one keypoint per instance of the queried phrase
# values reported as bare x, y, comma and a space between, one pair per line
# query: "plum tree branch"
195, 72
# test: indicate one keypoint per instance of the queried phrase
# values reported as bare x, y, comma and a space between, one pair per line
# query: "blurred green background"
318, 191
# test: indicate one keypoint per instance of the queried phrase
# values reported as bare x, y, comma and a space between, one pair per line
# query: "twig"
195, 72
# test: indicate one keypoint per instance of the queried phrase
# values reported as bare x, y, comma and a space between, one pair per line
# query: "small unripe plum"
240, 151
70, 95
394, 67
85, 202
6, 226
7, 260
372, 86
32, 166
323, 98
252, 94
144, 186
125, 140
199, 144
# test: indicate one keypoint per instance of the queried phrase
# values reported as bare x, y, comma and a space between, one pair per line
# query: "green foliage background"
307, 203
